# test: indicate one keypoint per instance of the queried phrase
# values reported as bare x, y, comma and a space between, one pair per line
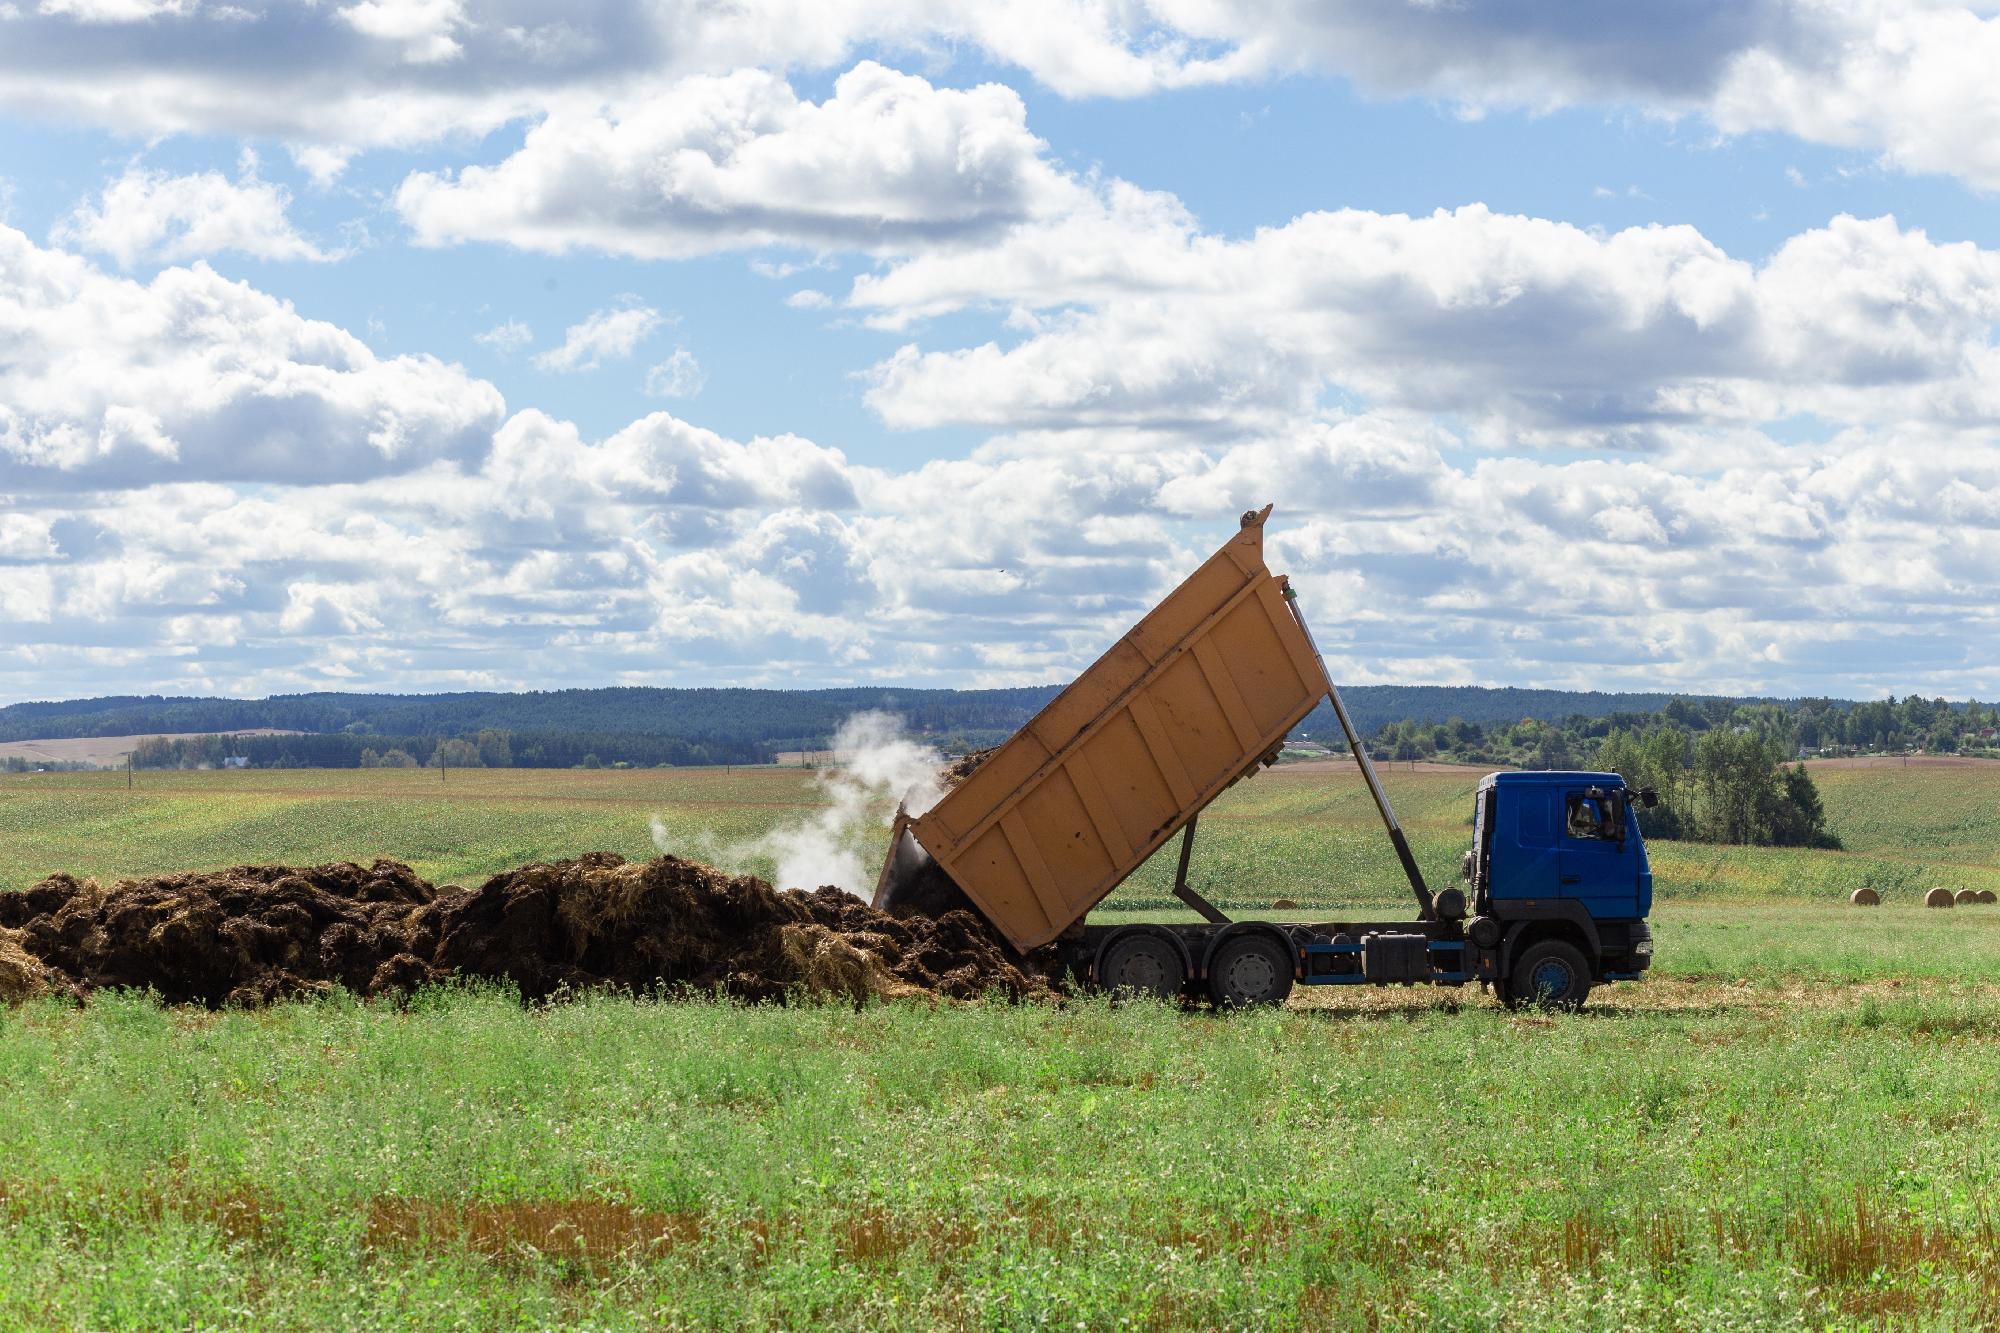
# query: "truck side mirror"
1648, 797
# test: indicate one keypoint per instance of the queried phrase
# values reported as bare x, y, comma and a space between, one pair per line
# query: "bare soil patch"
110, 751
1345, 764
1902, 761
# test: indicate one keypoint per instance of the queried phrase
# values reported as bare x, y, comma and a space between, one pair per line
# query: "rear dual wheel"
1142, 963
1249, 970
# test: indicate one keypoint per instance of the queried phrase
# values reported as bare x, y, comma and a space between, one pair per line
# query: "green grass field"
1791, 1125
1822, 1163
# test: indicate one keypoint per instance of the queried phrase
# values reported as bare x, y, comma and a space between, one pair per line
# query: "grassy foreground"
1725, 1163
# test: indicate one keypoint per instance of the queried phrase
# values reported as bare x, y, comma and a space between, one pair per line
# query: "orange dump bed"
1190, 700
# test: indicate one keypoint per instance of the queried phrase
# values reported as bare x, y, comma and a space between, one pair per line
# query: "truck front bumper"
1629, 961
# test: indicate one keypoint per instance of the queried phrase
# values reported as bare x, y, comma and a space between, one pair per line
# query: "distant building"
236, 761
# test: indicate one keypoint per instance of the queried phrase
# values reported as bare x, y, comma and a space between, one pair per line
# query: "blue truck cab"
1559, 885
1555, 903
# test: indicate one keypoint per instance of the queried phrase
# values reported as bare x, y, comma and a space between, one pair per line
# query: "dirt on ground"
257, 934
1343, 764
1901, 761
111, 751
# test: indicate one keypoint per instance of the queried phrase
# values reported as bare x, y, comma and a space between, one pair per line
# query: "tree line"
805, 719
1798, 728
488, 748
778, 719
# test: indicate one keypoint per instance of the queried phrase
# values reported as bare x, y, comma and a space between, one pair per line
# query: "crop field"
1791, 1125
1306, 832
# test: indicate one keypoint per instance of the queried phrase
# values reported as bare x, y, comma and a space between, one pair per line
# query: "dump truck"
1197, 696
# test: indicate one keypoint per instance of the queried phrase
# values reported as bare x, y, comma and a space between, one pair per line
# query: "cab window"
1596, 817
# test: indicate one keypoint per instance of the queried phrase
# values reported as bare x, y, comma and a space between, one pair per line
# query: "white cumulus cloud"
409, 72
679, 376
607, 335
151, 215
1533, 330
506, 337
1909, 82
105, 381
887, 161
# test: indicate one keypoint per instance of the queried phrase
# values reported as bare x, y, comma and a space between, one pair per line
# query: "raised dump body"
1190, 700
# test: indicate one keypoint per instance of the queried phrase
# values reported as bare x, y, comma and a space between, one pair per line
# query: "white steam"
876, 765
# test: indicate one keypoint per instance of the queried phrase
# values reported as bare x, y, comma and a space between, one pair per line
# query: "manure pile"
257, 934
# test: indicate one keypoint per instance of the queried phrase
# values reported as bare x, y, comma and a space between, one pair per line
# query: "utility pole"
128, 770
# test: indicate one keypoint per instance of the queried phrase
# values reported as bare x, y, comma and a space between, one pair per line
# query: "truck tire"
1250, 969
1139, 962
1549, 975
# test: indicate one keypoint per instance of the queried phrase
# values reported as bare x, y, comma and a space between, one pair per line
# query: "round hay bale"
1988, 897
22, 976
1284, 905
1865, 897
1966, 897
1938, 898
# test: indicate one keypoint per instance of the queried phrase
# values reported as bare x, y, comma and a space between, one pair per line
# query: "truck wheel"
1549, 975
1142, 963
1250, 969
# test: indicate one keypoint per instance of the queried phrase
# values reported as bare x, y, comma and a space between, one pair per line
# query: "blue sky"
437, 344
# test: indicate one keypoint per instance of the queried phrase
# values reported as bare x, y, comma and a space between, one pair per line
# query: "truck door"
1523, 863
1597, 868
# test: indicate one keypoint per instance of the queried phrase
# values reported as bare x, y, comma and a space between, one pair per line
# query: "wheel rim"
1146, 968
1551, 979
1249, 976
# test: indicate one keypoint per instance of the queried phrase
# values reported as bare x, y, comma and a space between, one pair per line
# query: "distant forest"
645, 726
739, 725
1794, 728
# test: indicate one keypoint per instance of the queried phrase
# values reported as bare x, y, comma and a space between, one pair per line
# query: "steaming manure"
257, 934
926, 892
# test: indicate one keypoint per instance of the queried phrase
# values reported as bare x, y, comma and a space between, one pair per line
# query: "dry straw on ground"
1939, 898
22, 976
1865, 897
